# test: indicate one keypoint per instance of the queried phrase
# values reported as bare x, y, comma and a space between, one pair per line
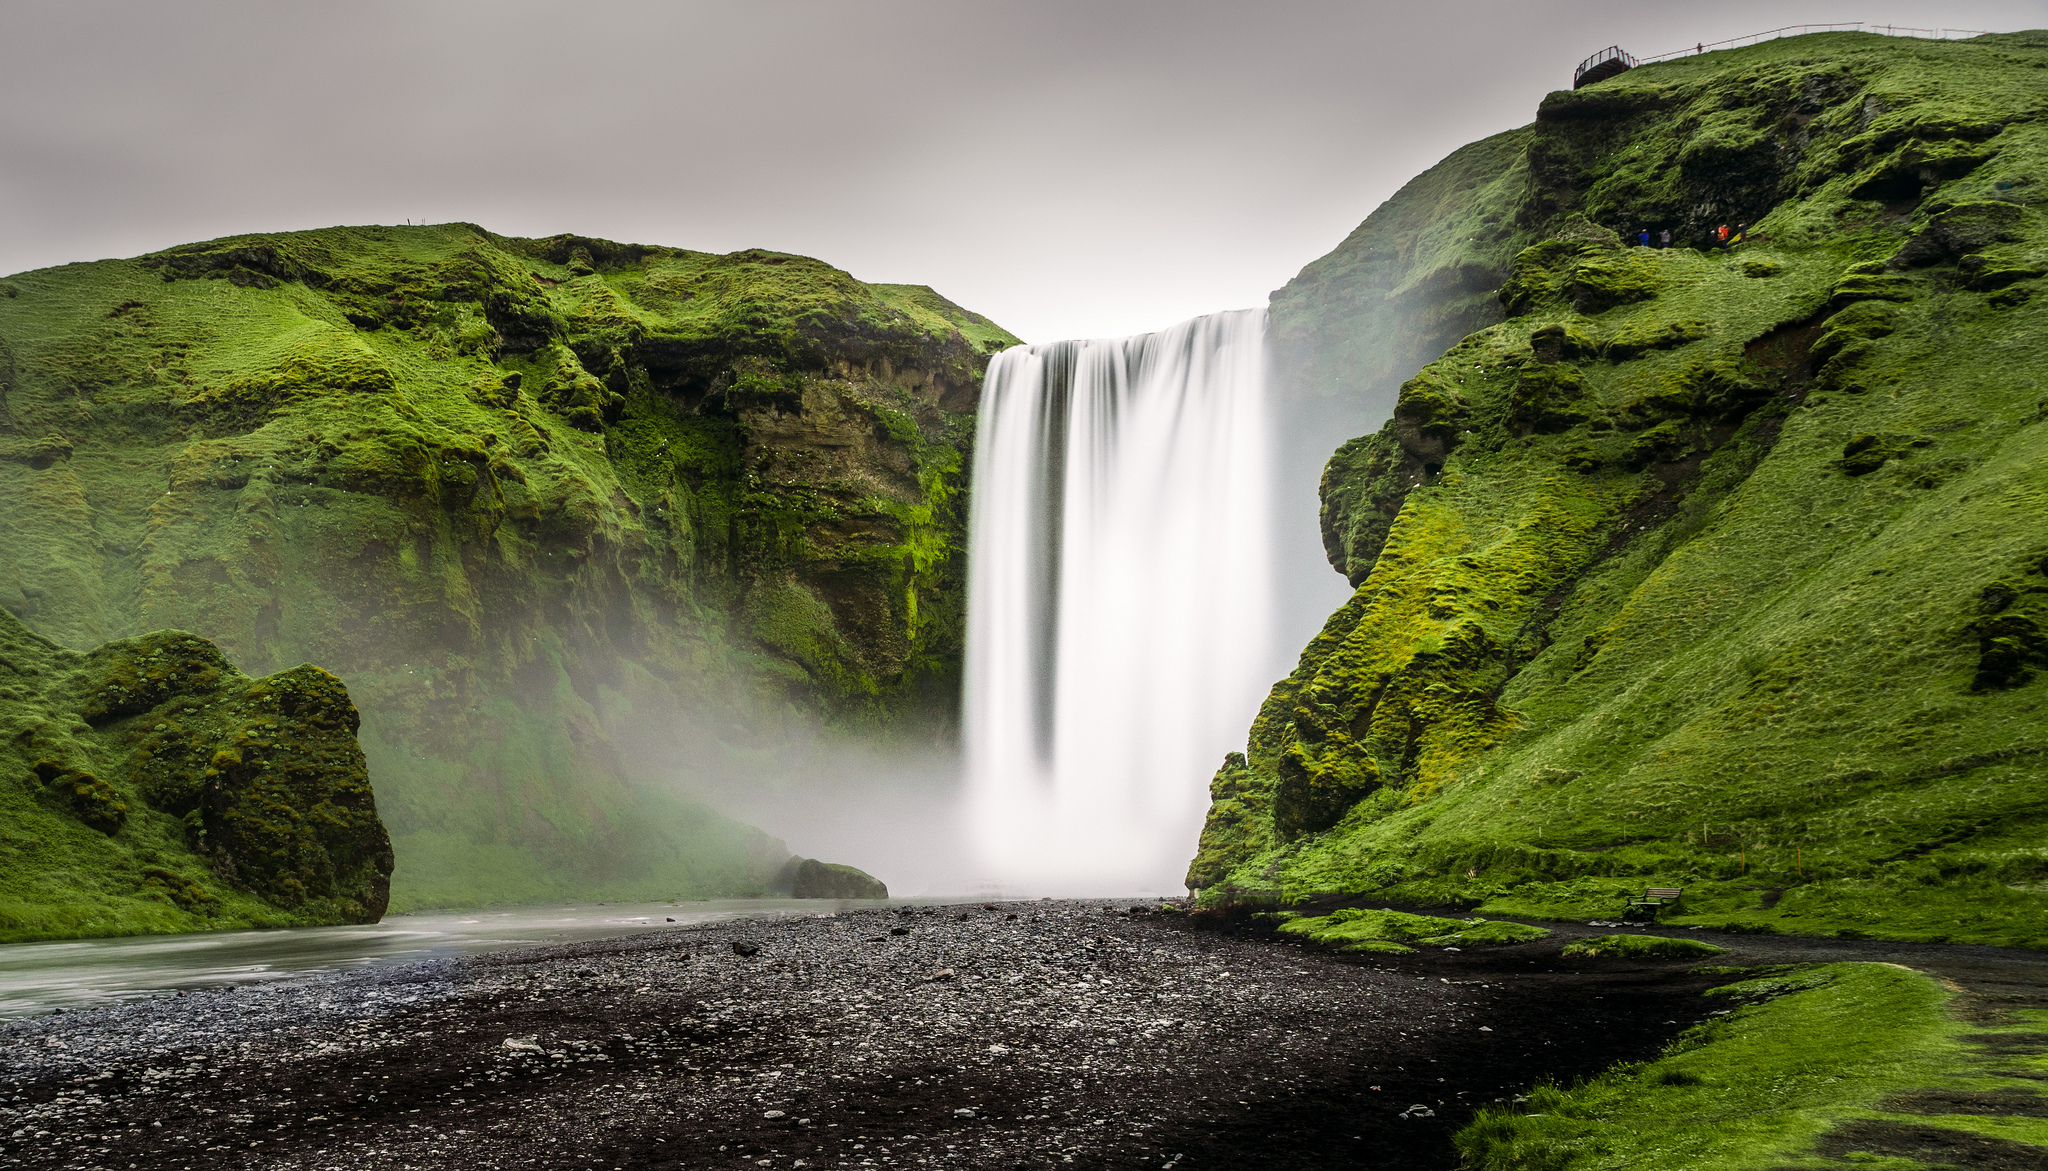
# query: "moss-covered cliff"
1717, 568
520, 495
150, 786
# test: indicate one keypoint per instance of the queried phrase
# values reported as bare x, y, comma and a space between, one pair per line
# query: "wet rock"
745, 947
831, 880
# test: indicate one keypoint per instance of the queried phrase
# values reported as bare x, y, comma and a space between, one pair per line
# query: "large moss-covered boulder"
832, 880
150, 786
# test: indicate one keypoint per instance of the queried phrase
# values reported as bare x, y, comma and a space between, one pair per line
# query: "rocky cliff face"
150, 786
1702, 567
521, 495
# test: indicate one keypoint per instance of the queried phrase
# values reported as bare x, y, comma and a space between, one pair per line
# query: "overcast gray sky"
1069, 169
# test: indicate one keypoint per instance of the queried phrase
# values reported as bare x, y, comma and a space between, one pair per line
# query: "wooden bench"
1653, 900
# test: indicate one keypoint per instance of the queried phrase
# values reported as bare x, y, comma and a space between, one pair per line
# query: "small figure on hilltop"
1665, 238
1643, 238
1741, 233
1721, 236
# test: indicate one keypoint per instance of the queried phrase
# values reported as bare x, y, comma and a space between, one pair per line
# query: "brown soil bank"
1028, 1035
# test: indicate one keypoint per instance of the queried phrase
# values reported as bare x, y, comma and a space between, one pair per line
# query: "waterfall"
1119, 621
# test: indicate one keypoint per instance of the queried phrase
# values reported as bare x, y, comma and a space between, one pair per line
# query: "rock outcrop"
150, 786
531, 498
813, 879
1716, 568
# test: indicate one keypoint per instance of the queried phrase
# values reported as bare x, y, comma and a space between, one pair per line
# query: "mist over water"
891, 808
1120, 625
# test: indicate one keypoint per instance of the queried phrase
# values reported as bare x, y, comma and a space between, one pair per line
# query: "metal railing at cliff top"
1608, 62
1794, 30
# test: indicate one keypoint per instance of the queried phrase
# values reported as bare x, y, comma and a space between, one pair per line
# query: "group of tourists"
1721, 237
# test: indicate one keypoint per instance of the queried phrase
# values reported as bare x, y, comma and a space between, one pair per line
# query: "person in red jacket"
1721, 235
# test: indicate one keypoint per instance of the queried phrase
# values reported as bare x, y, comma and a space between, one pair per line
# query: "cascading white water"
1119, 599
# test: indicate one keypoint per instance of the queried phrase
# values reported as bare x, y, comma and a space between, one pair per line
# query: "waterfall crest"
1119, 599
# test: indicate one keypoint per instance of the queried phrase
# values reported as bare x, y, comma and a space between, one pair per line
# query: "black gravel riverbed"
1071, 1034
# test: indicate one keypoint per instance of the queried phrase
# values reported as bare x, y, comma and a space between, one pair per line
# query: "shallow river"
38, 977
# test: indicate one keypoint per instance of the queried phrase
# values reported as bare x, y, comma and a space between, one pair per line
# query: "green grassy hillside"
1723, 569
523, 496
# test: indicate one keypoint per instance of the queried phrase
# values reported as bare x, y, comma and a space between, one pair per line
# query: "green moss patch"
1640, 947
1389, 931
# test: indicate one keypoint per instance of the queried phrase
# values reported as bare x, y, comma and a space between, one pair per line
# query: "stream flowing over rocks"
1080, 1034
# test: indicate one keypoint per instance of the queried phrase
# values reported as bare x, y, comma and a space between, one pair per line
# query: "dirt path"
1030, 1035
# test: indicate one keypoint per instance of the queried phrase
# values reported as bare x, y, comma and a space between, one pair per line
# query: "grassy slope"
728, 485
1697, 605
1807, 1051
